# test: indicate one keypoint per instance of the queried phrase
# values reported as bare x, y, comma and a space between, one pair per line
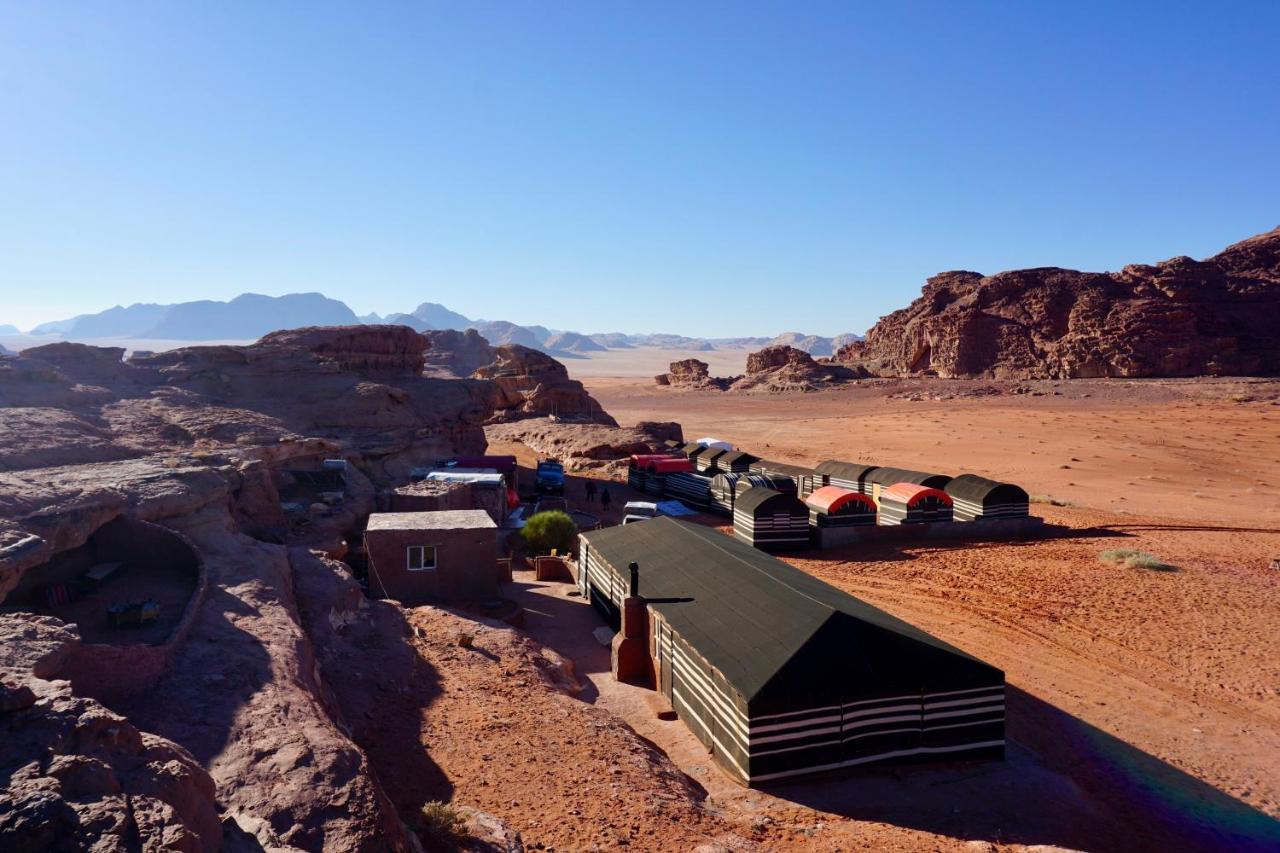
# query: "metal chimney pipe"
635, 579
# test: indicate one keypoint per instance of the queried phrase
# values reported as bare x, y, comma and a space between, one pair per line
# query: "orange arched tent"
831, 499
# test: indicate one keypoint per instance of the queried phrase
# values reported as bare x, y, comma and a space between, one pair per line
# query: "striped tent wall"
756, 748
906, 503
769, 519
735, 462
707, 461
636, 478
854, 476
655, 484
691, 489
949, 724
976, 498
726, 487
806, 479
832, 506
708, 705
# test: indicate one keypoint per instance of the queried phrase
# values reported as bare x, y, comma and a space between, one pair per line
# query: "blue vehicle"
549, 479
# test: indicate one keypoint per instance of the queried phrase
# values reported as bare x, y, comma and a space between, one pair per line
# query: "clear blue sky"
597, 165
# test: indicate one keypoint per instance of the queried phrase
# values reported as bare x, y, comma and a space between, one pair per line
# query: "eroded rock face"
580, 445
785, 368
1180, 317
689, 372
78, 776
527, 383
456, 355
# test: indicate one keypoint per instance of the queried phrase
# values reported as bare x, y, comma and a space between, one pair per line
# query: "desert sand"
1138, 698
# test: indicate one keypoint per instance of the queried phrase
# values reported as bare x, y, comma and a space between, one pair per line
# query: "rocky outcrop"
581, 445
526, 383
456, 355
1180, 317
686, 373
777, 369
77, 776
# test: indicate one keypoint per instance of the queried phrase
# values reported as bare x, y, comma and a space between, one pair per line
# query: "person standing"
605, 498
591, 491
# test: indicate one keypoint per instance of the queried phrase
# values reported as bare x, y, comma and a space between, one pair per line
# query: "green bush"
1135, 560
545, 531
439, 827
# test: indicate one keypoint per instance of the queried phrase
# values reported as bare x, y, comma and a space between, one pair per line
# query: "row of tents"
776, 504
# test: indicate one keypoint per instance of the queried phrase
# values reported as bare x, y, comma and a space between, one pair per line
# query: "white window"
421, 558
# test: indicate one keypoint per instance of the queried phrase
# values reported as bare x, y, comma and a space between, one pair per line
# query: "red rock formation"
690, 372
1180, 317
785, 368
527, 383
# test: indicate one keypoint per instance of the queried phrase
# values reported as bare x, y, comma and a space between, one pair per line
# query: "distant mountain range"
251, 315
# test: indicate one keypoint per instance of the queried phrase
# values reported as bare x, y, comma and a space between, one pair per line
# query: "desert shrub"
1051, 500
1135, 559
545, 531
440, 827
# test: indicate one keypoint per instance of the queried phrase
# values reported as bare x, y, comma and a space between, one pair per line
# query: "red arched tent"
910, 503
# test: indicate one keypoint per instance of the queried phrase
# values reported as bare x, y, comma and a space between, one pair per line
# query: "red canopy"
911, 494
829, 499
641, 460
670, 466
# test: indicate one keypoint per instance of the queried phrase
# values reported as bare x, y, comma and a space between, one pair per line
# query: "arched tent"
879, 478
726, 486
689, 449
832, 506
781, 675
846, 475
637, 470
806, 479
735, 461
909, 503
706, 459
657, 471
691, 489
767, 519
715, 442
978, 498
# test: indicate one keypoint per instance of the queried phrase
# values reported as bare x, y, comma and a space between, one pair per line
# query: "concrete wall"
974, 531
466, 560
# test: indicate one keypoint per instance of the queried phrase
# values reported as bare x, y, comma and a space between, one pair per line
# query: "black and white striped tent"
832, 506
767, 518
846, 475
725, 488
779, 674
908, 503
735, 462
806, 479
690, 449
706, 460
691, 489
880, 478
977, 498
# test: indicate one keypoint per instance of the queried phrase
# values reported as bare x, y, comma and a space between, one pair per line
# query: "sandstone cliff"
526, 383
1180, 317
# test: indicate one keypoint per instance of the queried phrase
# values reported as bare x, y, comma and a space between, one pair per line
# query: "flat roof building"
446, 555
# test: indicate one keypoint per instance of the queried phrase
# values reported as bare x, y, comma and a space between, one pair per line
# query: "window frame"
422, 551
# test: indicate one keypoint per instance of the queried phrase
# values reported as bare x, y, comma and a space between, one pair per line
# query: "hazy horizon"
599, 168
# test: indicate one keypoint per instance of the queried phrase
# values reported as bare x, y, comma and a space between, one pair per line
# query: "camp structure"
832, 506
637, 468
780, 675
691, 489
908, 503
806, 479
735, 462
417, 557
769, 519
879, 478
657, 471
715, 442
706, 459
846, 475
976, 498
689, 449
671, 445
724, 487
